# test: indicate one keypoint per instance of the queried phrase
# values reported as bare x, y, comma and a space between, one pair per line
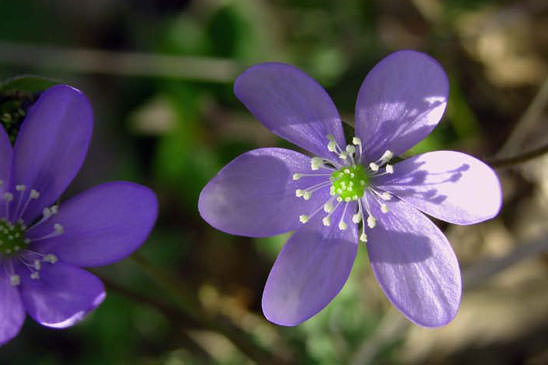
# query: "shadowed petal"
399, 103
102, 225
51, 145
451, 186
12, 314
414, 265
5, 165
291, 104
309, 272
254, 195
62, 296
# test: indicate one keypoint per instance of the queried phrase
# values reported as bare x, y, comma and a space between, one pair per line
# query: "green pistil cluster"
12, 238
349, 182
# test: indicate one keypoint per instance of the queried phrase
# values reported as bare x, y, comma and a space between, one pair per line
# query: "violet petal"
399, 103
5, 165
254, 195
291, 104
101, 225
12, 314
52, 145
414, 264
62, 296
311, 269
451, 186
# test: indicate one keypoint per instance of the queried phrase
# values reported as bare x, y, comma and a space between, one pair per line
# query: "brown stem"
524, 157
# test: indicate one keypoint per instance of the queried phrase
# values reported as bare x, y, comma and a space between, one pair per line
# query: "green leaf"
28, 83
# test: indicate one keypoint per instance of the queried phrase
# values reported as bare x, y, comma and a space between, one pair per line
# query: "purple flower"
42, 244
351, 192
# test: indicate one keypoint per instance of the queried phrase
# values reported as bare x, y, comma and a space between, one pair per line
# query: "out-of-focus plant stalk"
219, 323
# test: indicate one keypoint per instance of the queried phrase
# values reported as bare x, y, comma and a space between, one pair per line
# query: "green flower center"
12, 238
349, 182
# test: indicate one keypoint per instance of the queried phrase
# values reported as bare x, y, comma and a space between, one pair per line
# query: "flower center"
12, 237
348, 178
349, 182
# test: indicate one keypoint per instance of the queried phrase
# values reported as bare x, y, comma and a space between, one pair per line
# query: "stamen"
316, 163
363, 237
326, 221
384, 208
371, 222
297, 176
386, 156
15, 280
51, 258
385, 195
20, 187
374, 167
303, 218
35, 275
342, 223
389, 169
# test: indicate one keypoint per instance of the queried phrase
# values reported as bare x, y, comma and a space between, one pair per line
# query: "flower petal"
62, 296
399, 103
291, 104
309, 272
12, 314
6, 152
102, 225
451, 186
414, 265
254, 195
52, 145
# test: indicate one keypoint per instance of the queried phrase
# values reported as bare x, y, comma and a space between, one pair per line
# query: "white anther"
303, 218
332, 190
20, 187
54, 209
331, 137
356, 141
363, 237
8, 197
328, 207
35, 275
46, 212
371, 221
356, 218
326, 221
58, 228
384, 208
51, 258
385, 196
387, 156
307, 195
343, 156
389, 169
297, 176
350, 149
299, 193
343, 225
37, 264
374, 167
15, 280
34, 194
332, 146
316, 163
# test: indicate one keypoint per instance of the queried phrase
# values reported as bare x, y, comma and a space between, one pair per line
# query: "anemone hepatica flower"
42, 244
351, 192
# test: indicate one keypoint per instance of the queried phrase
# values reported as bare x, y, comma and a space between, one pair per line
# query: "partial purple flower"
43, 245
353, 192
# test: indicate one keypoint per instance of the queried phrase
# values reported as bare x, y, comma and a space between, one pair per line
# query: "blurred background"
159, 75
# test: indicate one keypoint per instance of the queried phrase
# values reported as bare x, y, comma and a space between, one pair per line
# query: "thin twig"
485, 269
524, 157
527, 120
92, 61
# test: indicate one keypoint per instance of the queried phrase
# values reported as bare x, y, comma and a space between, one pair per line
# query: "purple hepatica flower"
43, 245
351, 193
